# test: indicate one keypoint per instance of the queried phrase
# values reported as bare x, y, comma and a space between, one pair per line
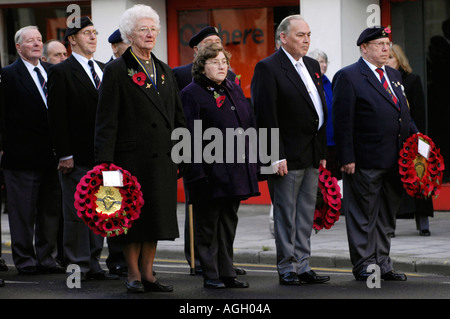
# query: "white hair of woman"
316, 54
130, 17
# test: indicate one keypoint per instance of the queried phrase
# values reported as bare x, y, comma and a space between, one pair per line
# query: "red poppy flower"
139, 78
220, 100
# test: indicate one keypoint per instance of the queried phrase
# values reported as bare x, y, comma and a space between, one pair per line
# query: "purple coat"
221, 178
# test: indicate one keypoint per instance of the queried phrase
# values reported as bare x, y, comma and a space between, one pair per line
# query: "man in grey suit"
287, 94
33, 192
73, 96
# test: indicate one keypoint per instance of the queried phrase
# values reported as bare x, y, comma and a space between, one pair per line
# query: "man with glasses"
72, 106
371, 121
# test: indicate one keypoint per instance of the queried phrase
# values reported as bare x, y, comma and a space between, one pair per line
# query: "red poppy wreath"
421, 176
107, 210
328, 203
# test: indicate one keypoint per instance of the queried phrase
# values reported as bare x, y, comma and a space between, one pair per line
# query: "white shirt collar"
31, 67
291, 58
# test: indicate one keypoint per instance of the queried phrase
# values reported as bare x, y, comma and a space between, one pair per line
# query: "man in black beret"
72, 105
118, 46
371, 121
183, 75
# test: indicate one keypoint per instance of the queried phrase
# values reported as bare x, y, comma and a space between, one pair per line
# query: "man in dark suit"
287, 94
73, 95
183, 75
372, 120
28, 161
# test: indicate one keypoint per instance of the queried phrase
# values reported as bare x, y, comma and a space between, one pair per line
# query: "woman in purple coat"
218, 177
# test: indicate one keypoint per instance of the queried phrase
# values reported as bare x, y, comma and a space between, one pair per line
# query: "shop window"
247, 33
50, 19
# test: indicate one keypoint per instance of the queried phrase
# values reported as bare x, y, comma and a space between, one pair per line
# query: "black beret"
373, 33
115, 37
83, 22
203, 33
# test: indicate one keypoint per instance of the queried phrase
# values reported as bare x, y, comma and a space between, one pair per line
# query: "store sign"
246, 33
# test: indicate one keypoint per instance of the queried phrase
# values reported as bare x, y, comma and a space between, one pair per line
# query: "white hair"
130, 17
316, 54
18, 36
285, 25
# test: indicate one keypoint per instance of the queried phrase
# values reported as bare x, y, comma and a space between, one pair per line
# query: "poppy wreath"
421, 177
328, 203
108, 211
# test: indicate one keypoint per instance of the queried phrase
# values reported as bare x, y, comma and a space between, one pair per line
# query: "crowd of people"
74, 112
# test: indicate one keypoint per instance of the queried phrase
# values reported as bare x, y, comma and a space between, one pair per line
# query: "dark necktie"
385, 84
94, 75
42, 81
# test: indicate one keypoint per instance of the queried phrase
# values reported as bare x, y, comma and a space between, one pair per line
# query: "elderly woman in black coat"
139, 107
223, 177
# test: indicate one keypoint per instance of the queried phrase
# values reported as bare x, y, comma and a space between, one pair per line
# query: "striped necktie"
42, 81
385, 85
94, 74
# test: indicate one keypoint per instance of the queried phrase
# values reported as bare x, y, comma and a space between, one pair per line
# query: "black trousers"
371, 201
34, 211
215, 230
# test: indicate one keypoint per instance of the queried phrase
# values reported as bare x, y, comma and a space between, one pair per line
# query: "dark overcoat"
27, 142
282, 101
220, 178
72, 104
133, 130
368, 131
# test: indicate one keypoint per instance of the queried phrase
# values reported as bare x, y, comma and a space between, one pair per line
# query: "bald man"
54, 52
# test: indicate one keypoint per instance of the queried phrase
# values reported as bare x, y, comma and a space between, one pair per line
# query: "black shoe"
424, 232
289, 279
363, 276
233, 282
3, 266
52, 270
28, 271
135, 286
213, 284
119, 271
310, 277
393, 276
240, 271
2, 283
101, 275
156, 286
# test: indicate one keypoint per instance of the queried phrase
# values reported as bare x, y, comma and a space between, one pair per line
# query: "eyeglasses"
88, 33
217, 63
146, 30
381, 44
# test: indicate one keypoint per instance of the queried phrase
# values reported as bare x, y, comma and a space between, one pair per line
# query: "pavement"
254, 243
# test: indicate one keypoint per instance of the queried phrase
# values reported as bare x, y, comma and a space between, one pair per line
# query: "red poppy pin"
219, 99
237, 80
137, 77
